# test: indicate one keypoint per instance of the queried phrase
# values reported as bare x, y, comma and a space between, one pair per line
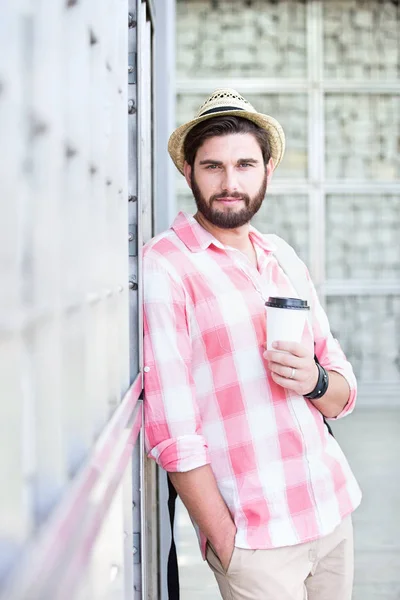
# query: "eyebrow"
209, 161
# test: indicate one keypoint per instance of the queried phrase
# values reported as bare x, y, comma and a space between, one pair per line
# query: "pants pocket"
215, 563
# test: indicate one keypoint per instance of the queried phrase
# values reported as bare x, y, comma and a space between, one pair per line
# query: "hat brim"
269, 124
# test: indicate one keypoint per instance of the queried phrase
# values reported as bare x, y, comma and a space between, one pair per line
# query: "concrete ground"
371, 441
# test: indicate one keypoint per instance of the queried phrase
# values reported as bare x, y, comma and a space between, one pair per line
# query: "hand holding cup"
292, 366
291, 363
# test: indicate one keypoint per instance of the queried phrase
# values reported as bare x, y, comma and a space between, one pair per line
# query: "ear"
270, 169
187, 171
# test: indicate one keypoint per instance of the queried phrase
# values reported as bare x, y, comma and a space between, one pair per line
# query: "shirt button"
146, 369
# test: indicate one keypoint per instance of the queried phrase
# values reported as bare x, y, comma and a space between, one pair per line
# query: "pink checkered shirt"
209, 398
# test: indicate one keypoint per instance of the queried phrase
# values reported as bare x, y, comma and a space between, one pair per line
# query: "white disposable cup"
285, 324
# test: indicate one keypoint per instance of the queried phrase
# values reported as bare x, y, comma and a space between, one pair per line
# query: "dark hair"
224, 126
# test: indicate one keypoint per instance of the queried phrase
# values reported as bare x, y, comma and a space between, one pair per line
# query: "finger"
284, 358
293, 347
284, 371
299, 375
288, 384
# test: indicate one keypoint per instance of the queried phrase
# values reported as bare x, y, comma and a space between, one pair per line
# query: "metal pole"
165, 205
165, 202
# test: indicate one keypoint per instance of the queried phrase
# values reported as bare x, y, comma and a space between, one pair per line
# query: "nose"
230, 182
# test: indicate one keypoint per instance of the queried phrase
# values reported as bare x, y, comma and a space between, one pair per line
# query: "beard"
228, 218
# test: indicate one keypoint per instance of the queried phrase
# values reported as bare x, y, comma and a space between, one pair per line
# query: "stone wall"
259, 38
362, 237
368, 329
361, 39
362, 136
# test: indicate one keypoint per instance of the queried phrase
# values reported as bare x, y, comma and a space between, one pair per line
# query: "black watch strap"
322, 384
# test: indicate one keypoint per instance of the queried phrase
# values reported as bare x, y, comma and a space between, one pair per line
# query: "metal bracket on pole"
132, 238
132, 67
136, 550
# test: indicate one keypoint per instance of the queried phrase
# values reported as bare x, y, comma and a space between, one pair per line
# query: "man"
241, 429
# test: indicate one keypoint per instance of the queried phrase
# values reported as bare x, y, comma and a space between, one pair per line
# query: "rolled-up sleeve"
173, 434
329, 352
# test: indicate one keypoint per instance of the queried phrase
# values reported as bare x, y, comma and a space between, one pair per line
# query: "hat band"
219, 109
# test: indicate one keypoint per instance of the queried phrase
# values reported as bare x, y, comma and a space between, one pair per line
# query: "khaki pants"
319, 570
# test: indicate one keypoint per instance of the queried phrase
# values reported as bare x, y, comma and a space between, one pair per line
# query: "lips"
229, 200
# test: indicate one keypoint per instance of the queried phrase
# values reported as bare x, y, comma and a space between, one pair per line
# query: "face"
229, 179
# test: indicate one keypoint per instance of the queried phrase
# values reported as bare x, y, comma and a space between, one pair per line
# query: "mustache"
226, 194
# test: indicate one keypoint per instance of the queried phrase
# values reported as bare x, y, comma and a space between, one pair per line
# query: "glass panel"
185, 202
362, 134
286, 216
291, 112
238, 38
187, 106
363, 238
361, 39
368, 329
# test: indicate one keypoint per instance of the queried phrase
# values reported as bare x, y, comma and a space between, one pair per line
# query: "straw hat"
222, 102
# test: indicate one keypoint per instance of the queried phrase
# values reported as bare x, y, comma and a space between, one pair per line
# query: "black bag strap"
325, 421
172, 571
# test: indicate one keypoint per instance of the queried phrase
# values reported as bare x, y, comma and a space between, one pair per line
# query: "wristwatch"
322, 383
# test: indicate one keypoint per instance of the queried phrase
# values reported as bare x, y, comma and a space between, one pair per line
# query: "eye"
212, 167
245, 165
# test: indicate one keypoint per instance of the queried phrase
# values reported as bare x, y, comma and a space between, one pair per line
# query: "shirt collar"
259, 239
196, 238
192, 234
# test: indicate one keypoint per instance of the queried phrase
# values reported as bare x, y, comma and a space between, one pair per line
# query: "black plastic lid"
292, 303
